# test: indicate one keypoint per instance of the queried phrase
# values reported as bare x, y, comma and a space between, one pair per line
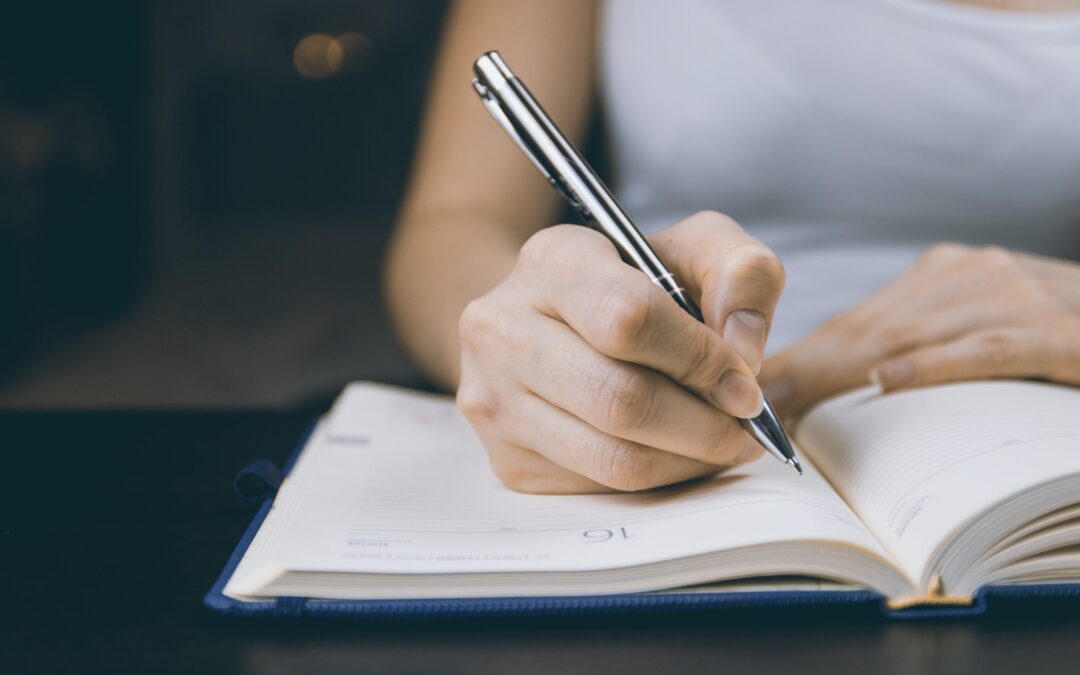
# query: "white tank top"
848, 135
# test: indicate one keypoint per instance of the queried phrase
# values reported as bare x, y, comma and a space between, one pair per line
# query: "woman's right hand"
581, 375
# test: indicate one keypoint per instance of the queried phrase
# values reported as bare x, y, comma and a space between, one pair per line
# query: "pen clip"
500, 116
495, 108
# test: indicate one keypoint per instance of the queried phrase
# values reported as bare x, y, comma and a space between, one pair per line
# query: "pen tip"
795, 463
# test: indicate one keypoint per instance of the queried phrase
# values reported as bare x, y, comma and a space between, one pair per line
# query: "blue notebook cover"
216, 600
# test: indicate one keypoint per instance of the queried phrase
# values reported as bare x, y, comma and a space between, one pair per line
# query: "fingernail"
875, 379
738, 394
894, 374
780, 394
744, 330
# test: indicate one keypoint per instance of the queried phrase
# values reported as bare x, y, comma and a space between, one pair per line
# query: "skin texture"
473, 198
577, 373
959, 313
1023, 5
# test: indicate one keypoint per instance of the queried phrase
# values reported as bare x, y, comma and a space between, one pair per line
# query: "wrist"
435, 266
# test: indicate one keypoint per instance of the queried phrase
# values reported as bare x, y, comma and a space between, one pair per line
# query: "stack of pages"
922, 496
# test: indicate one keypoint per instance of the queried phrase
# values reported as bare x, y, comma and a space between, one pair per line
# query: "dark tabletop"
115, 524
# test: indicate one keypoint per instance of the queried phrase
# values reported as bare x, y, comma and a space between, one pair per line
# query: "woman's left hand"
958, 313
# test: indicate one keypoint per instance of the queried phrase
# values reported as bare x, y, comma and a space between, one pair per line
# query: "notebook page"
289, 499
401, 484
915, 465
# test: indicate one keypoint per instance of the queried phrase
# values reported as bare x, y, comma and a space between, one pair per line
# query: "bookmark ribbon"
258, 480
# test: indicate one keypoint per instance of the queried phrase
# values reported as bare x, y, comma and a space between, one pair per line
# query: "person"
848, 141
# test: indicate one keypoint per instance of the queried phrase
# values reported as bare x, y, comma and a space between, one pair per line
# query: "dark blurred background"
194, 197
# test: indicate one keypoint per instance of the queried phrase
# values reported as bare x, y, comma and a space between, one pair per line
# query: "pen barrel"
513, 107
684, 301
520, 114
766, 430
667, 282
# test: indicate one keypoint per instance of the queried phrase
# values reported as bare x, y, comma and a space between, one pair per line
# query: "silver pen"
511, 104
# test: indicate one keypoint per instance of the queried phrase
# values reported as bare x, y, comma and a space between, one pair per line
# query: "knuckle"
855, 327
1032, 293
625, 467
552, 243
900, 338
539, 245
771, 267
996, 258
478, 319
623, 314
755, 263
625, 397
540, 249
478, 403
998, 349
702, 221
711, 217
944, 252
710, 358
748, 264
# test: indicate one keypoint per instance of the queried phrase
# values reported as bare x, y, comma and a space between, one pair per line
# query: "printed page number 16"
600, 536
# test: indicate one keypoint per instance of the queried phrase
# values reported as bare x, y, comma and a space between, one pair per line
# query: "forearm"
437, 264
473, 198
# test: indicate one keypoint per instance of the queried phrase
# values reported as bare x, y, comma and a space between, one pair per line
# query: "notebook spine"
935, 596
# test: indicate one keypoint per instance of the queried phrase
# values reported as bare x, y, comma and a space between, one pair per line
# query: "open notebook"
922, 496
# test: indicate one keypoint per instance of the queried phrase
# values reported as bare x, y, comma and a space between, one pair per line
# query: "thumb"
737, 278
781, 383
792, 385
797, 378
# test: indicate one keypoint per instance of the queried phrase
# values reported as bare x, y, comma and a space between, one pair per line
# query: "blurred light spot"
335, 55
318, 56
31, 144
357, 49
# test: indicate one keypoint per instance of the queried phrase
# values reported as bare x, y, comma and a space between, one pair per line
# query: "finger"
1009, 352
524, 470
629, 401
622, 314
778, 380
518, 467
738, 278
613, 462
807, 372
